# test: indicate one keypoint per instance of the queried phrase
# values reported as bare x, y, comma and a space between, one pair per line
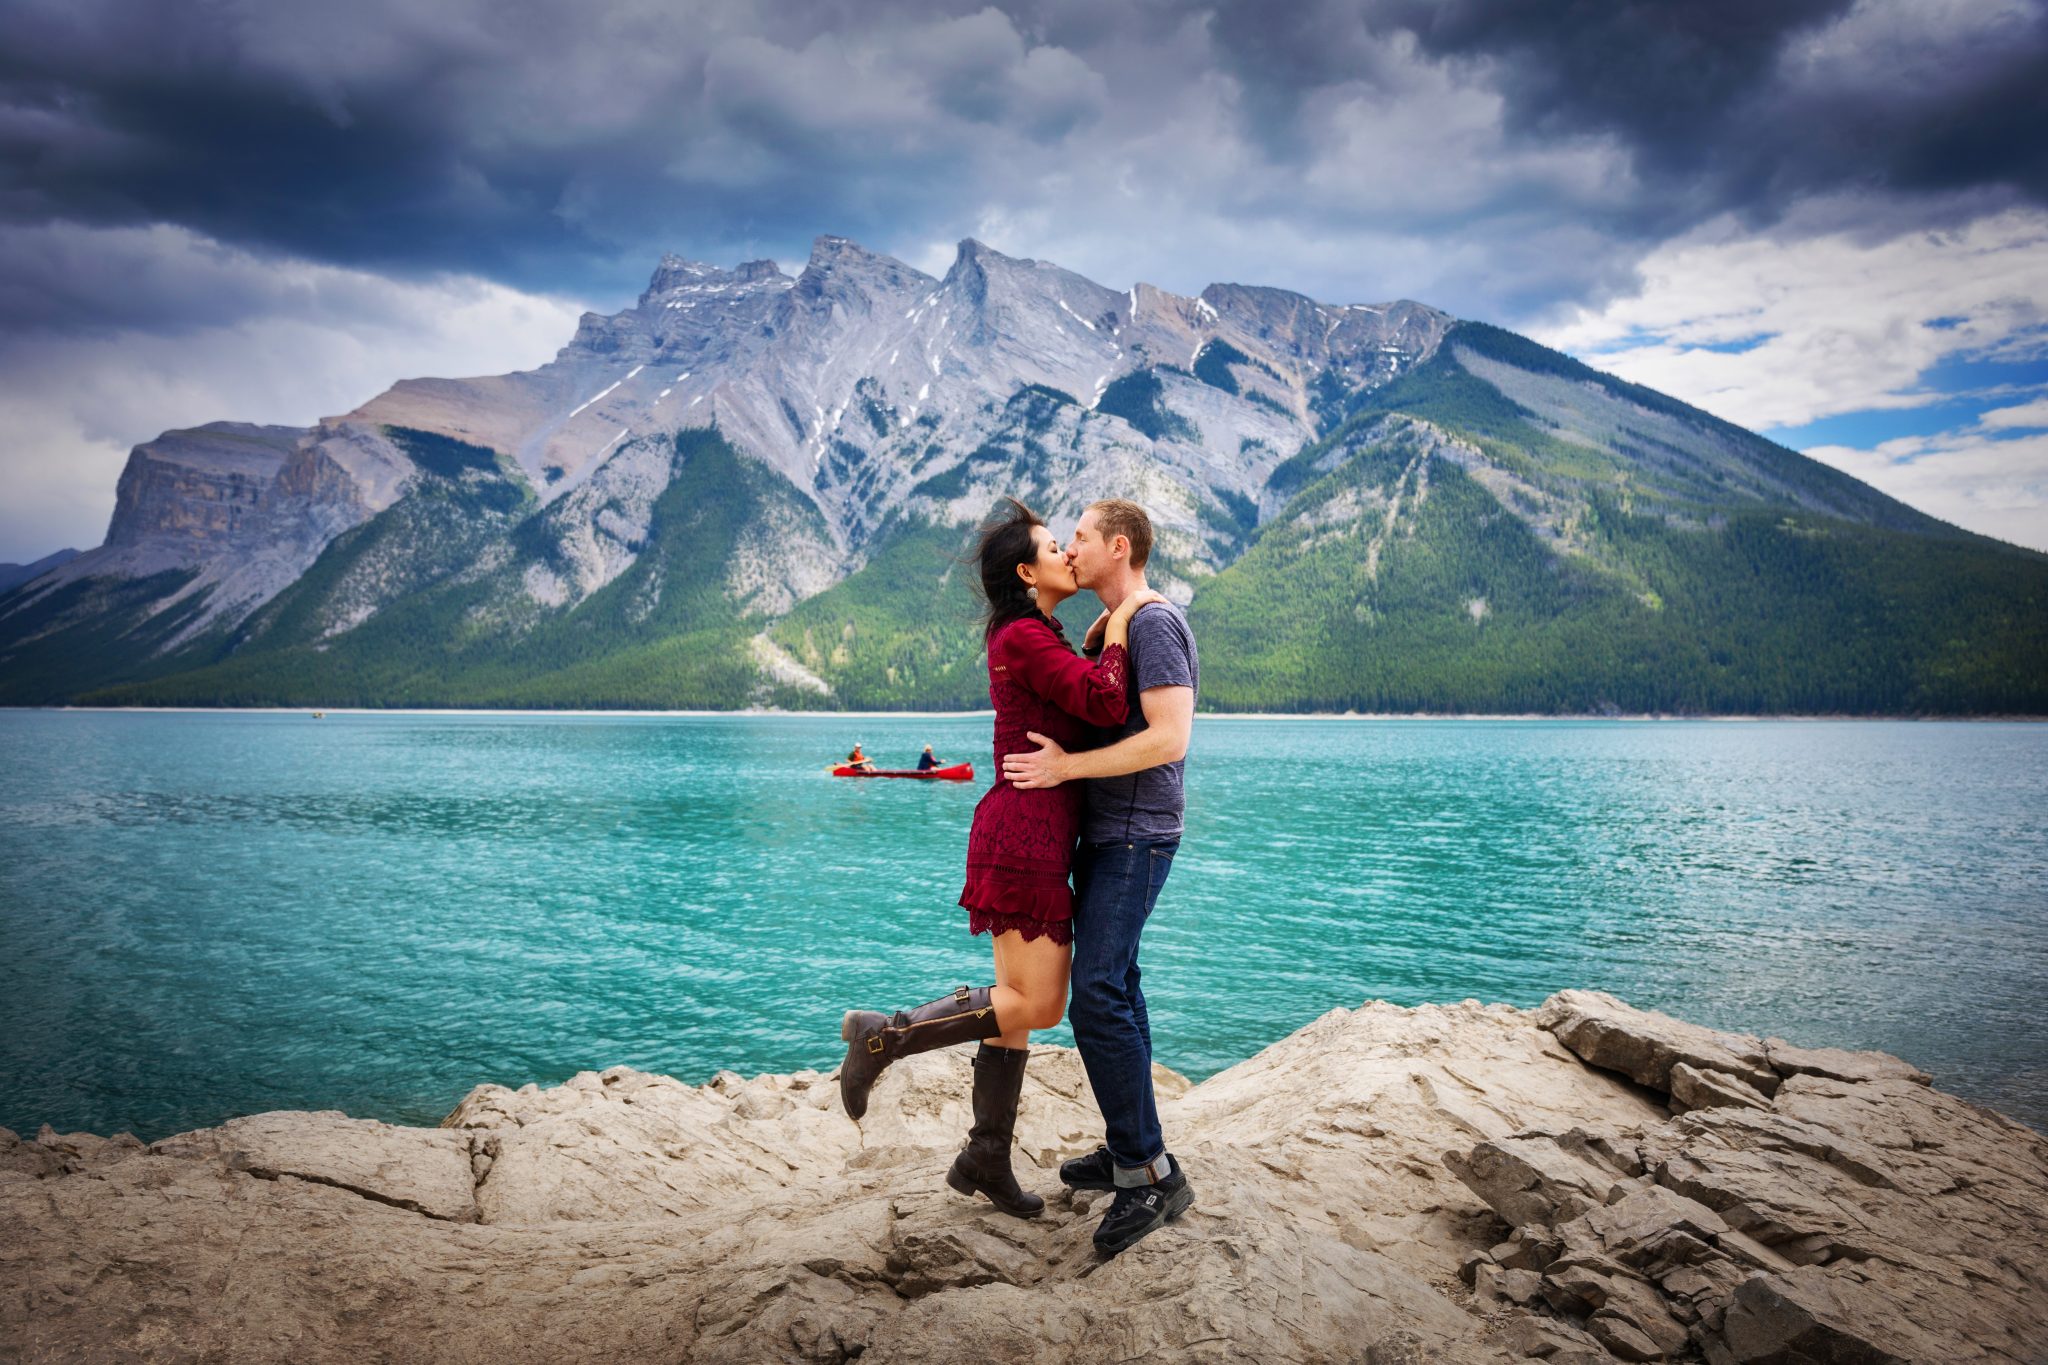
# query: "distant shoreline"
778, 713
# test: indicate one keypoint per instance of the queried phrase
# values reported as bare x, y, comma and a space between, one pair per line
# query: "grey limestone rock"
1645, 1046
1692, 1088
628, 1216
1855, 1214
1836, 1064
1810, 1318
1535, 1336
1531, 1178
423, 1170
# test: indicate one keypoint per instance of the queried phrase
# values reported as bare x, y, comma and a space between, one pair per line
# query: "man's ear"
1120, 547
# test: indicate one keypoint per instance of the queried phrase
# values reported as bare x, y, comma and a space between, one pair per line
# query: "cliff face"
209, 523
1581, 1183
196, 492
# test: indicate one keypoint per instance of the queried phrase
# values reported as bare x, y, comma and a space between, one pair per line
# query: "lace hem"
1060, 931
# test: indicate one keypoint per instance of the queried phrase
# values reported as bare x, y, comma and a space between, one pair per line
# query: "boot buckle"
875, 1045
962, 995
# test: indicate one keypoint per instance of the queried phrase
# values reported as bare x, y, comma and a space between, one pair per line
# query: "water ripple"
204, 915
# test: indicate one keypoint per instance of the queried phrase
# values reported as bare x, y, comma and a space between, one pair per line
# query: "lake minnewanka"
212, 914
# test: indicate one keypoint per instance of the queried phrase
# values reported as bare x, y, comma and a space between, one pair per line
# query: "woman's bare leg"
1031, 986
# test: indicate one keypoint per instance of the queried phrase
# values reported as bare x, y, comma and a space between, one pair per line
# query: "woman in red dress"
1020, 853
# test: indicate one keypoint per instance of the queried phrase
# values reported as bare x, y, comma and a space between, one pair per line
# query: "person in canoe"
1020, 853
860, 760
925, 761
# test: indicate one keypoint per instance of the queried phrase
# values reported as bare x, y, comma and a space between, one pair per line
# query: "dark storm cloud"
1764, 102
560, 146
1720, 105
548, 145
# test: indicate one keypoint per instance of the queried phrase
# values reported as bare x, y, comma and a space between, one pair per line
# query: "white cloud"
2034, 414
1833, 324
1992, 485
293, 341
1830, 323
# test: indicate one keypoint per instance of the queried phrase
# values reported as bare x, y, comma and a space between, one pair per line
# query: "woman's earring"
1032, 593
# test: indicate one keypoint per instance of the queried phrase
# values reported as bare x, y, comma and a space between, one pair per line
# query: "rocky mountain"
1580, 1184
750, 488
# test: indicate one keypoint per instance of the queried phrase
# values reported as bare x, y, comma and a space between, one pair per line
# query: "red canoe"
959, 772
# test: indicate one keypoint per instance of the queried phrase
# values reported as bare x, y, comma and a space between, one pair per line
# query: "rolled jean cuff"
1151, 1173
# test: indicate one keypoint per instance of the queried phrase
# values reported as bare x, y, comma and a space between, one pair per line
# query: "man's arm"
1169, 719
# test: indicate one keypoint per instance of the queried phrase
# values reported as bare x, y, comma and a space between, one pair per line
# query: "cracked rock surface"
1584, 1182
1802, 1205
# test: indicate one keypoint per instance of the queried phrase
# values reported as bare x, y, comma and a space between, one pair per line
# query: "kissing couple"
1066, 858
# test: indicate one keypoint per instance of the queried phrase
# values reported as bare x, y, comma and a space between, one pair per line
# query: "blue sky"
1823, 219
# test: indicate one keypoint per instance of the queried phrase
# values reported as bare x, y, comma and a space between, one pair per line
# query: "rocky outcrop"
1802, 1205
1444, 1184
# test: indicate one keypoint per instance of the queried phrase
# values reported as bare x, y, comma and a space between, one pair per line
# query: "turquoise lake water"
217, 914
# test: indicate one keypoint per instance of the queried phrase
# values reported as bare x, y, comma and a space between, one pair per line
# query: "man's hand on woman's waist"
1169, 719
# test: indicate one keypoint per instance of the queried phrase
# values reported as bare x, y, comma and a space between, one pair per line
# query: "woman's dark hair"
1005, 543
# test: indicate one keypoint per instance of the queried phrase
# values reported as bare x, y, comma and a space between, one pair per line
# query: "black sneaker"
1094, 1171
1137, 1211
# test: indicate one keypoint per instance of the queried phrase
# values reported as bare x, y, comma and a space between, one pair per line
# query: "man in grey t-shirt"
1146, 806
1128, 840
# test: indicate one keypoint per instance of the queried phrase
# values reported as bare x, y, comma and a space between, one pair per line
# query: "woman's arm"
1036, 657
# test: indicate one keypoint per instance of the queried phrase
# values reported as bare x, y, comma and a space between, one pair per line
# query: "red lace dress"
1020, 851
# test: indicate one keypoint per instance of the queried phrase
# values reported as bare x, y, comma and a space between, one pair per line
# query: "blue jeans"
1115, 888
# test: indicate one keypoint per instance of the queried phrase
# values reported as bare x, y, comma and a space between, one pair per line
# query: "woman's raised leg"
1031, 985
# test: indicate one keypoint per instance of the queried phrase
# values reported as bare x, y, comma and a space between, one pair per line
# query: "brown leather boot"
983, 1166
874, 1040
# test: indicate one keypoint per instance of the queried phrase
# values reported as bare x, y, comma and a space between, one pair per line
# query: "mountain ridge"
887, 409
12, 575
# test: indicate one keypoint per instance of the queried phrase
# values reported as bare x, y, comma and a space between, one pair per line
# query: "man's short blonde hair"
1121, 517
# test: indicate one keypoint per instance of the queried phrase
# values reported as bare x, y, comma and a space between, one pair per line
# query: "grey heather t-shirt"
1145, 807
